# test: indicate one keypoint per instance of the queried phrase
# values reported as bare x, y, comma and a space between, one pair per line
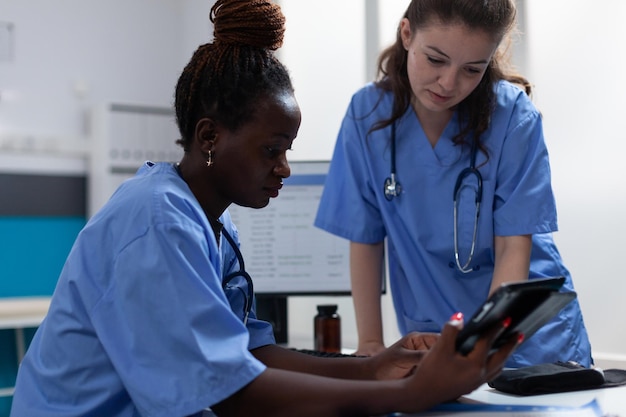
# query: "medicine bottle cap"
327, 309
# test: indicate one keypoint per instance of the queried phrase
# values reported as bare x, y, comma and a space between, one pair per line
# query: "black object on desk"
324, 354
550, 378
529, 304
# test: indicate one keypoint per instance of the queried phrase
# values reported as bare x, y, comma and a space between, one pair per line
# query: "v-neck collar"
444, 153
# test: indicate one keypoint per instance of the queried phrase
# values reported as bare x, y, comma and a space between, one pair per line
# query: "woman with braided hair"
152, 313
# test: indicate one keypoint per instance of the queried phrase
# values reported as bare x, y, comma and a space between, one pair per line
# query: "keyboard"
322, 354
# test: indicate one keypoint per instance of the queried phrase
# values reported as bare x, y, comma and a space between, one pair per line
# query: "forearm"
277, 357
366, 266
280, 393
512, 259
442, 375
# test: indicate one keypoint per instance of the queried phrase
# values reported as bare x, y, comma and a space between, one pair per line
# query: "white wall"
321, 42
577, 62
71, 55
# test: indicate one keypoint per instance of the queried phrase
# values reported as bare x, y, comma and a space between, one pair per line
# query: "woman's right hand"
445, 374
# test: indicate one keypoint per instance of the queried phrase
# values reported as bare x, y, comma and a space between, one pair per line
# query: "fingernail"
507, 322
457, 318
520, 338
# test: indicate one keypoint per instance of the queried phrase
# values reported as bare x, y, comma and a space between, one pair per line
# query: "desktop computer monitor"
285, 254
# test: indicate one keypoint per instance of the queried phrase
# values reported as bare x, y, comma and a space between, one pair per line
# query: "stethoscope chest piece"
392, 187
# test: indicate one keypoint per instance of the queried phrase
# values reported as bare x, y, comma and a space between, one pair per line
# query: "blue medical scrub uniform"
139, 324
426, 286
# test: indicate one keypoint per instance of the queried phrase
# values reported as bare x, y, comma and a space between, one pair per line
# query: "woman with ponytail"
443, 160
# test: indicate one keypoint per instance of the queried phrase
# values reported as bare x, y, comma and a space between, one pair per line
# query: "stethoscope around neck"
249, 295
392, 188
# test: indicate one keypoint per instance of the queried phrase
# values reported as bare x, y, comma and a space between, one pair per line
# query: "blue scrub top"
426, 286
139, 323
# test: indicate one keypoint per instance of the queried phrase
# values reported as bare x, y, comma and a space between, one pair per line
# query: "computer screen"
284, 253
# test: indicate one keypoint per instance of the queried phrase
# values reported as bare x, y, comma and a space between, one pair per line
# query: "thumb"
451, 330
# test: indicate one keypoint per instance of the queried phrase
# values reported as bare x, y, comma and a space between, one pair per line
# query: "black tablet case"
529, 304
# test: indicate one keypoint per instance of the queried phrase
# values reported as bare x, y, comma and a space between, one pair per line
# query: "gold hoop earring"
209, 161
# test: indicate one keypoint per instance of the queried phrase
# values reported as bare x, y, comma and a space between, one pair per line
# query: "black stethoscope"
249, 297
392, 188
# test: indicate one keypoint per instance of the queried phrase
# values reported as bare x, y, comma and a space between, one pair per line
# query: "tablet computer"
529, 304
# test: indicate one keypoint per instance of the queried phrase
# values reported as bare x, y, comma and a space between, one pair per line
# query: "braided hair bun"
257, 23
226, 78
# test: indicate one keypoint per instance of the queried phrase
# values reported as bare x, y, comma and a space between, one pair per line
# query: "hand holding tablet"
529, 305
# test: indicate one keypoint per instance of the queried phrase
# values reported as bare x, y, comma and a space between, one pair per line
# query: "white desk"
20, 313
611, 400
